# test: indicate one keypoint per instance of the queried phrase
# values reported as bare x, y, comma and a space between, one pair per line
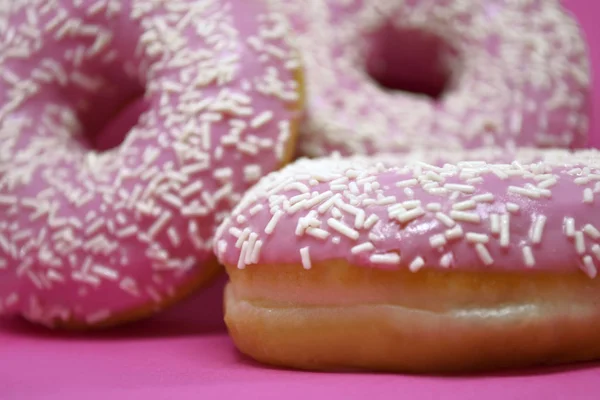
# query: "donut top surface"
541, 213
512, 73
86, 232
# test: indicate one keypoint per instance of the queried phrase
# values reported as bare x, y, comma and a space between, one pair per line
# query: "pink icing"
541, 213
510, 72
91, 226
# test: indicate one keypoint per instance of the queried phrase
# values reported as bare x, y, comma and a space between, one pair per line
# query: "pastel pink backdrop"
186, 354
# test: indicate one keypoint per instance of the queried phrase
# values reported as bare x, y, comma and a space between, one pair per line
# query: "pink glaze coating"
540, 213
85, 234
514, 73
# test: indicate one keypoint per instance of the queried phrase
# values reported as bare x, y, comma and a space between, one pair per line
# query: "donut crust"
338, 316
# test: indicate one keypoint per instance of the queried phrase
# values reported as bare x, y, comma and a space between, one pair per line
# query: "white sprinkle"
384, 201
434, 207
406, 183
236, 232
495, 223
302, 188
242, 258
395, 210
252, 173
569, 224
409, 204
359, 248
371, 221
127, 232
588, 196
454, 233
261, 119
410, 215
95, 226
591, 231
318, 199
416, 264
596, 251
359, 220
223, 173
159, 224
460, 187
336, 213
323, 208
222, 247
483, 198
476, 180
255, 209
348, 207
343, 228
545, 184
172, 200
173, 236
484, 254
317, 233
251, 243
97, 317
465, 216
477, 237
255, 256
528, 256
273, 222
579, 242
446, 220
512, 207
533, 194
436, 241
504, 230
465, 205
338, 188
305, 256
446, 260
434, 177
589, 267
8, 200
387, 258
298, 198
537, 230
105, 272
499, 173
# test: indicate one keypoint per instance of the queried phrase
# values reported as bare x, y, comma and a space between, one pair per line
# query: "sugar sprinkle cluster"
538, 213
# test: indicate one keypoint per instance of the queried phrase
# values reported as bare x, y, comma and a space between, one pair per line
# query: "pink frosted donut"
383, 263
128, 129
462, 74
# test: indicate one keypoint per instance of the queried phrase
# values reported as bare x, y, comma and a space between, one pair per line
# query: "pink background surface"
186, 354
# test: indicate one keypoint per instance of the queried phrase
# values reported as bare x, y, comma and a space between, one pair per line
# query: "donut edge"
394, 338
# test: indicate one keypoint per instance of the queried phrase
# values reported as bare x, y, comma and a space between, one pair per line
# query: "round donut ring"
506, 73
94, 237
467, 262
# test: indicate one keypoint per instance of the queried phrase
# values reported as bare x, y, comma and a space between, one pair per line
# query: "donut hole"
411, 60
108, 117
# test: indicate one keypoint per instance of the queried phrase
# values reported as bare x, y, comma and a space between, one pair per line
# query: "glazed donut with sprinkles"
398, 75
128, 131
469, 261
